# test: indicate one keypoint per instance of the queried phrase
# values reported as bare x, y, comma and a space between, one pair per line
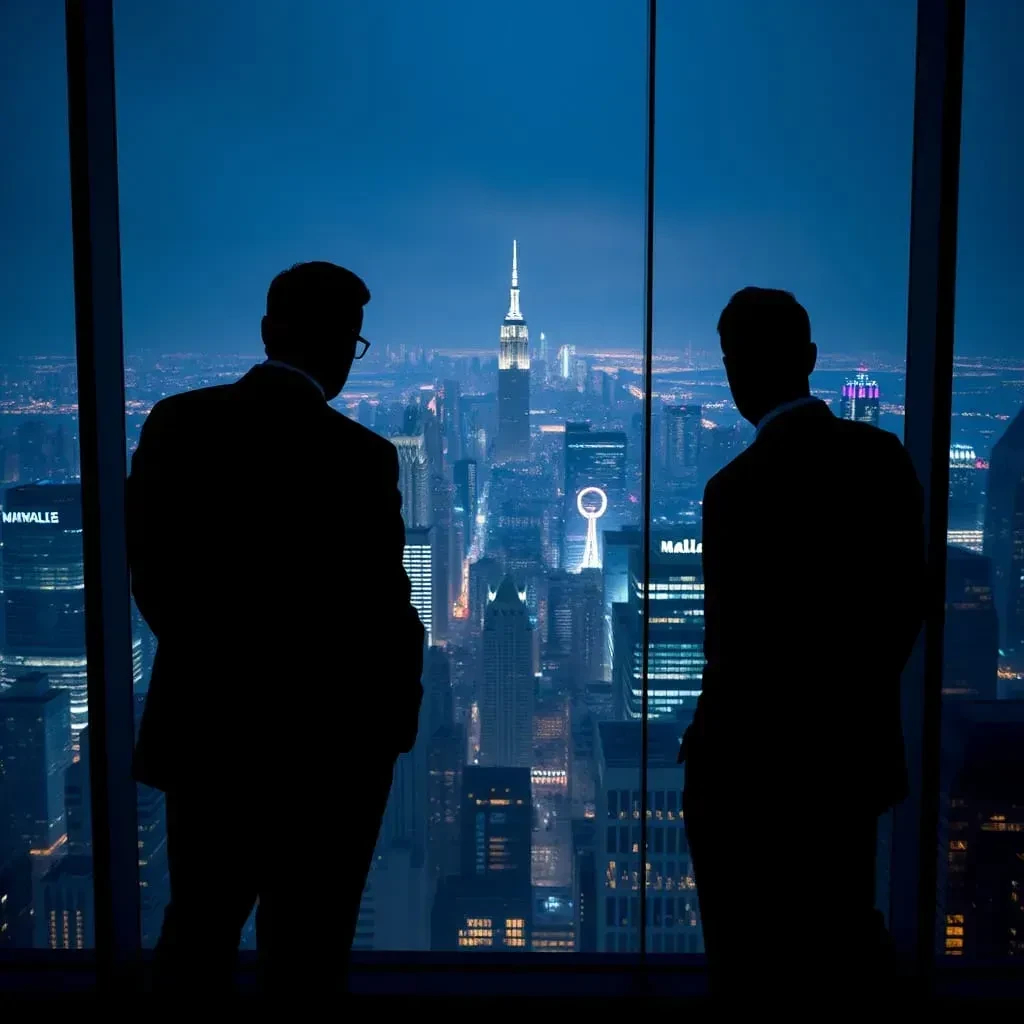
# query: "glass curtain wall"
46, 886
981, 913
783, 159
482, 168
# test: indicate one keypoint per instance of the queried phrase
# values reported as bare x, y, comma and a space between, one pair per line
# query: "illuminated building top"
514, 353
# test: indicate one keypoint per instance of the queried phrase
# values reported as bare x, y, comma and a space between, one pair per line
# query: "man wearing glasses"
266, 542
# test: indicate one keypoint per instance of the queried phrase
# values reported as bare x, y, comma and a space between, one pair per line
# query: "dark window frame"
931, 290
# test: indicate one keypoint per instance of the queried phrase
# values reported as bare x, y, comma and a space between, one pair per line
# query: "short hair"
766, 318
311, 291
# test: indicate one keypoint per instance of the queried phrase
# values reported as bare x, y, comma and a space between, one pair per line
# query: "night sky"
413, 141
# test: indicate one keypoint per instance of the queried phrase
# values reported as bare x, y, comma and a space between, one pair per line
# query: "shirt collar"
288, 366
781, 410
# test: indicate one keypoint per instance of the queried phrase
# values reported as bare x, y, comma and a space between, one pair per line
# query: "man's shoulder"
359, 438
197, 402
734, 473
882, 448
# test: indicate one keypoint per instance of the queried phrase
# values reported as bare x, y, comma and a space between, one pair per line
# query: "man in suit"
266, 542
813, 558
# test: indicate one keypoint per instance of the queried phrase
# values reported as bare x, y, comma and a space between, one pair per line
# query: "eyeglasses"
361, 346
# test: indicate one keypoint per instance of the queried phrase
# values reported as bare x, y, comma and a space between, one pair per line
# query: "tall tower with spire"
513, 440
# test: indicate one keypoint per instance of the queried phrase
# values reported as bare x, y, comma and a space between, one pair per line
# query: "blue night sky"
413, 141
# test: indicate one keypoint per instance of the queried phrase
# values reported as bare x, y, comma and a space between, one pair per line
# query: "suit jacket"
265, 539
813, 552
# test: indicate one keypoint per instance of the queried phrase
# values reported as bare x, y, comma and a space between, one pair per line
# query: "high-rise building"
513, 440
966, 488
860, 400
487, 906
507, 688
595, 493
575, 626
64, 894
465, 478
675, 632
682, 441
566, 361
983, 747
43, 583
35, 754
417, 559
413, 479
1004, 531
970, 664
673, 919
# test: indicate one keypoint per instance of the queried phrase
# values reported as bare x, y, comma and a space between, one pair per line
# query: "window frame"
98, 306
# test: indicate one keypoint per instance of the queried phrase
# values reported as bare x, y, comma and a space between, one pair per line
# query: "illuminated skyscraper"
507, 690
966, 486
464, 475
413, 479
682, 441
417, 559
513, 440
860, 400
595, 492
43, 584
676, 631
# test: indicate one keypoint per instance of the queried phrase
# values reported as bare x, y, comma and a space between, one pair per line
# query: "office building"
417, 559
513, 441
970, 664
983, 750
43, 585
966, 490
35, 754
413, 479
1004, 532
595, 493
675, 631
574, 650
682, 433
488, 905
507, 685
464, 474
673, 919
64, 905
860, 400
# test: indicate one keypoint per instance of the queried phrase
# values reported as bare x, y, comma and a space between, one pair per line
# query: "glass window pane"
484, 171
46, 892
981, 916
783, 144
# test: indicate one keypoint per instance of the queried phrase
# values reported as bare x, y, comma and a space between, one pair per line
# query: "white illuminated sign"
682, 547
51, 518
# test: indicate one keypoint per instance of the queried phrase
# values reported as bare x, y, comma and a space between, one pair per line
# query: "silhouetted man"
266, 541
813, 573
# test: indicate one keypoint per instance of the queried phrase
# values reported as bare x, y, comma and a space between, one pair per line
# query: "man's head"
314, 316
767, 350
